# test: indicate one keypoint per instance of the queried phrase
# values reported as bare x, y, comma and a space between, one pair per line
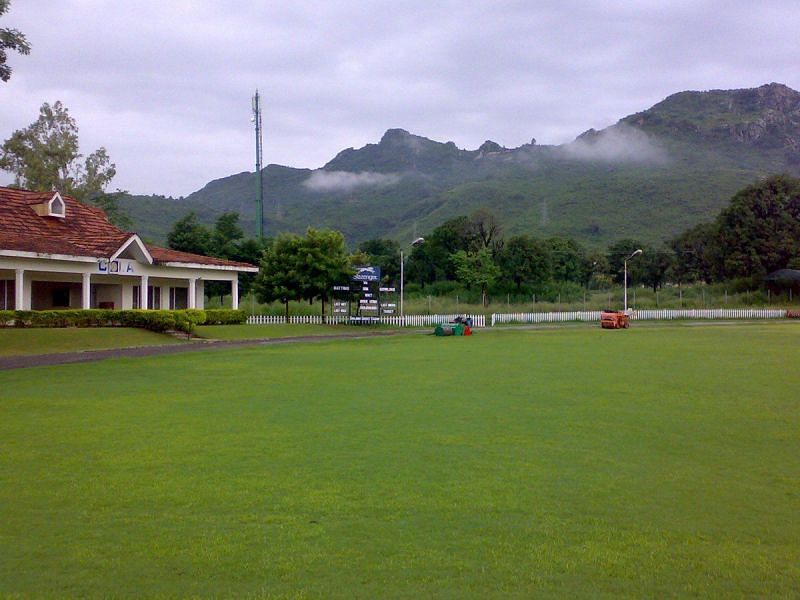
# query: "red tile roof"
84, 231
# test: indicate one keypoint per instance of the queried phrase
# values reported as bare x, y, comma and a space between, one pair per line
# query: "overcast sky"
165, 85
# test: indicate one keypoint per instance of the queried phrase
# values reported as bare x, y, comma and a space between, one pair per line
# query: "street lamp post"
639, 251
416, 242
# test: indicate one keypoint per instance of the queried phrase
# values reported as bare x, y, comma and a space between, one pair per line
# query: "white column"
143, 292
165, 297
235, 293
19, 290
86, 287
126, 303
192, 297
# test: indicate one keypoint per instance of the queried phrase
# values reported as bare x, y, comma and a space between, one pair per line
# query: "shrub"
153, 320
225, 317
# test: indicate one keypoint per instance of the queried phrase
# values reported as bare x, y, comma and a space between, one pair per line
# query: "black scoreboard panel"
364, 300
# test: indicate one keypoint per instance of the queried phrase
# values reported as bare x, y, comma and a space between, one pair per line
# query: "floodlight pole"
639, 251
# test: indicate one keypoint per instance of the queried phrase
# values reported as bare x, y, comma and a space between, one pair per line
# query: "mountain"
649, 176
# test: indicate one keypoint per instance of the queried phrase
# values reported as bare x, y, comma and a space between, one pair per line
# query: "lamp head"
418, 241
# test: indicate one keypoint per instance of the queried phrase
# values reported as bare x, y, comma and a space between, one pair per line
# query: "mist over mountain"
650, 176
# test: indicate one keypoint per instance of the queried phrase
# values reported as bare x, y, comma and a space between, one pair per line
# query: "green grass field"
656, 461
15, 342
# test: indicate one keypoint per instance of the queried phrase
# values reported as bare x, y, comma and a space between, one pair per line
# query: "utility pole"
260, 198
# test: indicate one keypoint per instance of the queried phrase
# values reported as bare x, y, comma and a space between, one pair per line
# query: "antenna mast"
260, 198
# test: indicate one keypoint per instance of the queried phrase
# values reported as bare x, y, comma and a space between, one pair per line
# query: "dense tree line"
225, 240
759, 232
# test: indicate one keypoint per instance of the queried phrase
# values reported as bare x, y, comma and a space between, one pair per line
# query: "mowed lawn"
649, 462
16, 342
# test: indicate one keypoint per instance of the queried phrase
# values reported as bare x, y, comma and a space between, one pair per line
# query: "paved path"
41, 360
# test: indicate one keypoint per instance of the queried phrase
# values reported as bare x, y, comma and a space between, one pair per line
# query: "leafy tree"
568, 259
10, 39
249, 251
281, 277
224, 242
476, 270
45, 156
322, 264
759, 232
187, 235
227, 235
431, 261
691, 250
617, 253
384, 254
524, 261
655, 264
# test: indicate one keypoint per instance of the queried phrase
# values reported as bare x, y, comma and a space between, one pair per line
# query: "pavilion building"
56, 252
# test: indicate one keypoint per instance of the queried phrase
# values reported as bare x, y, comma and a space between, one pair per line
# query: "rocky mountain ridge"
650, 175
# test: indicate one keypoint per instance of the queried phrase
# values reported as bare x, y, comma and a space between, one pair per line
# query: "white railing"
546, 317
708, 313
407, 321
429, 320
643, 315
539, 317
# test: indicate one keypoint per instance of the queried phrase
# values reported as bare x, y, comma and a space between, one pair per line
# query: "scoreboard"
364, 300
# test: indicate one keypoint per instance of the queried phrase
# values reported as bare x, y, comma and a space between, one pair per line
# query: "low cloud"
618, 144
344, 181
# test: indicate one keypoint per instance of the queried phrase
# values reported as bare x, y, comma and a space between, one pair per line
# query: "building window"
178, 298
7, 298
153, 297
61, 297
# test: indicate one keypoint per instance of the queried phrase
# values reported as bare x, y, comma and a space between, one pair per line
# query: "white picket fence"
643, 315
407, 321
708, 313
538, 317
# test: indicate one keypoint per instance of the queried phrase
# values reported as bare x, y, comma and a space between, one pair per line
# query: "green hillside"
650, 176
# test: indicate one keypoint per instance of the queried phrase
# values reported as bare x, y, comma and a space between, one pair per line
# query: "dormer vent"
54, 207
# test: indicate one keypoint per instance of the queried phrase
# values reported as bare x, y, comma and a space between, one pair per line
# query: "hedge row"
154, 320
225, 316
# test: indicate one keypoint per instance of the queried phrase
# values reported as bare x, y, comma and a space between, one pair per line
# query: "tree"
568, 259
10, 39
691, 250
227, 235
524, 261
384, 254
431, 261
281, 276
224, 242
476, 270
485, 228
45, 156
617, 253
759, 232
302, 268
323, 263
187, 235
655, 264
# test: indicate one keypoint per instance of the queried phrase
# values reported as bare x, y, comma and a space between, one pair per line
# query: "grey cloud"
166, 86
618, 144
344, 181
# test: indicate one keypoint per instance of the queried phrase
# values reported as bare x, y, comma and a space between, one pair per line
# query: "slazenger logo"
114, 266
367, 274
